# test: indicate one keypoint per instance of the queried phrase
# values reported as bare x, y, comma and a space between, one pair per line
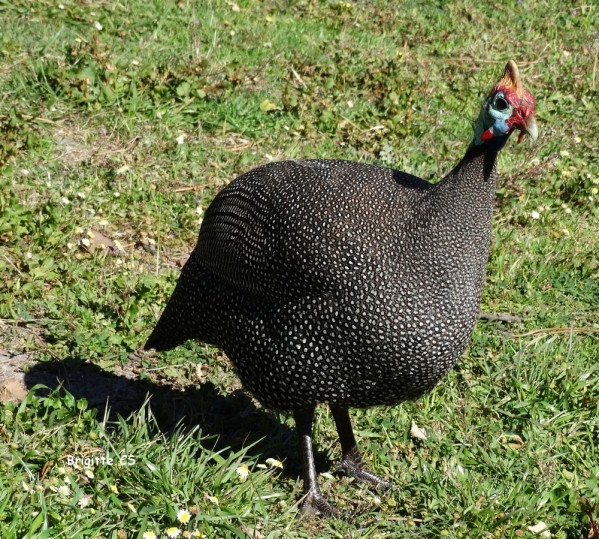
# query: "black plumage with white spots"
329, 281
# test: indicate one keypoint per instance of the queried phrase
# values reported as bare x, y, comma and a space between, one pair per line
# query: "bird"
345, 284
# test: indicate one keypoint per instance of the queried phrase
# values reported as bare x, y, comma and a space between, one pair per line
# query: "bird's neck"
478, 164
470, 186
462, 208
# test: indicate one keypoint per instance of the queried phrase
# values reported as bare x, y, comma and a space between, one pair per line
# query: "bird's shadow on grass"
227, 420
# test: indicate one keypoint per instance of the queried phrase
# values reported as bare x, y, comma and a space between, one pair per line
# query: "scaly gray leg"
351, 463
313, 502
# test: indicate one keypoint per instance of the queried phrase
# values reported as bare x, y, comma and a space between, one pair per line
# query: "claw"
314, 504
352, 466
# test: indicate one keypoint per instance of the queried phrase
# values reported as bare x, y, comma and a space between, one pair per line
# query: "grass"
121, 121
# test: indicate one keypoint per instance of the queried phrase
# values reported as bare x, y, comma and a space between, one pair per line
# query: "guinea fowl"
340, 283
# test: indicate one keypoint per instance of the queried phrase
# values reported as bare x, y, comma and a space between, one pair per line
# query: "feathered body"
336, 282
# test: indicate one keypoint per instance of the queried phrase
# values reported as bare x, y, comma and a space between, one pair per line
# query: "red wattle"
487, 135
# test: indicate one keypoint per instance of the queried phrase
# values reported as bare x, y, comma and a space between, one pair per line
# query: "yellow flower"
114, 488
183, 516
564, 153
243, 471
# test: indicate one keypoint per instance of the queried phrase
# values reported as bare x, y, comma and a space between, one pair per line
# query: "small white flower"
577, 139
211, 499
28, 255
535, 214
181, 138
81, 195
568, 210
88, 473
98, 26
84, 501
199, 210
183, 516
243, 471
65, 200
149, 535
60, 6
63, 490
274, 463
564, 153
173, 532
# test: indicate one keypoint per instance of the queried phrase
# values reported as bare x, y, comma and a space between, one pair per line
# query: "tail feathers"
163, 338
170, 331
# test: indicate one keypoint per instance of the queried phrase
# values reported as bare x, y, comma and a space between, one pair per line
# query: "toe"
314, 504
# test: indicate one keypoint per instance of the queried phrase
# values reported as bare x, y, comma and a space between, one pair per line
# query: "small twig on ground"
500, 317
550, 331
187, 188
297, 77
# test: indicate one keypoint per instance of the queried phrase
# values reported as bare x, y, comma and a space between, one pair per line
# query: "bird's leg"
351, 463
313, 502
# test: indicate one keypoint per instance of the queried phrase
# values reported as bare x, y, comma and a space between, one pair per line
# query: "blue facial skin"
493, 116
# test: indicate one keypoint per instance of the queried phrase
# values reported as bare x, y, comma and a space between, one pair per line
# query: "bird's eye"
500, 104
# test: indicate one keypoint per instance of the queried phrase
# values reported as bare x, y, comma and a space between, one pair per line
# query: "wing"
304, 227
238, 239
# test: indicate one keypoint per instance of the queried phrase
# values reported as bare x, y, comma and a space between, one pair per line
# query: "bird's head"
509, 106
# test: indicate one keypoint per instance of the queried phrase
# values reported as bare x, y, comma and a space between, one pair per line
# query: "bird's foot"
352, 466
314, 504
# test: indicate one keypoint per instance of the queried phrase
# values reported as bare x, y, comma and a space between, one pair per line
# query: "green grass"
125, 119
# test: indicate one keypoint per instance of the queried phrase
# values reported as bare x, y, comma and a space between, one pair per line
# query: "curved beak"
530, 128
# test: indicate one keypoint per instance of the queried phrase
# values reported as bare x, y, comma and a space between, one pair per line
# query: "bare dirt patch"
79, 143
